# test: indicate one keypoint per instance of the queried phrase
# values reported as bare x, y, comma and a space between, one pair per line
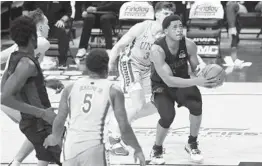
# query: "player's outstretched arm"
133, 32
164, 71
24, 70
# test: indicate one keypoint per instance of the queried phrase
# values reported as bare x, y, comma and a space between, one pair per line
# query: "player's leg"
148, 108
133, 80
138, 102
27, 147
115, 145
232, 10
165, 106
191, 99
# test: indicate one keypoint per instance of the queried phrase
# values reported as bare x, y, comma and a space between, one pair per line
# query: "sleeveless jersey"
89, 104
34, 91
138, 52
177, 63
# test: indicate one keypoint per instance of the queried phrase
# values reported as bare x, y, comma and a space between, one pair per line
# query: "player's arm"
3, 80
118, 103
63, 110
195, 64
24, 70
164, 71
133, 32
58, 125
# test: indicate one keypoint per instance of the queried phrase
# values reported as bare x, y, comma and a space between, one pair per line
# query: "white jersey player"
134, 68
86, 104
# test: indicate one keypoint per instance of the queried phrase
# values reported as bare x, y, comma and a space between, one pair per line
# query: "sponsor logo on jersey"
182, 54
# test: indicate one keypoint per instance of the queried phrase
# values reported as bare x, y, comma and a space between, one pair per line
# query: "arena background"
232, 128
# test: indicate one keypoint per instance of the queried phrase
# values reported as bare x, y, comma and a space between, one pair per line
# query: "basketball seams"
208, 71
213, 66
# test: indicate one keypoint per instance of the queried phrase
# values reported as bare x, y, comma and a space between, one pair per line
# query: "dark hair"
165, 5
22, 29
97, 61
169, 19
37, 15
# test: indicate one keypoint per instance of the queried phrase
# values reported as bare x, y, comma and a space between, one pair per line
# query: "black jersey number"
87, 103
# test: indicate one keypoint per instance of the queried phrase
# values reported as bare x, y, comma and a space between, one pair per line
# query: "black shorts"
165, 99
36, 131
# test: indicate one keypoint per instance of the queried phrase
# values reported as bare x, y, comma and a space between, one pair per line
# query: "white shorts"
94, 156
134, 78
12, 113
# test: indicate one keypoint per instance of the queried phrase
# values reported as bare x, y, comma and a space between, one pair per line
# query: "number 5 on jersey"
87, 103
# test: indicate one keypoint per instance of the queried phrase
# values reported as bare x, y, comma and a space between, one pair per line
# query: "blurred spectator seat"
204, 27
250, 20
134, 12
97, 39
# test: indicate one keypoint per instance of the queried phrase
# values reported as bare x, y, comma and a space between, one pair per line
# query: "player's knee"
195, 108
167, 121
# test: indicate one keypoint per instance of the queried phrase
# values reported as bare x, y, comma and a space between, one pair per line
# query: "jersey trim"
103, 120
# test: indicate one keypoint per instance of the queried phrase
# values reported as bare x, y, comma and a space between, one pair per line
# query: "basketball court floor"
231, 129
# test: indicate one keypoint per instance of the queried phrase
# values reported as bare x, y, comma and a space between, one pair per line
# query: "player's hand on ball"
49, 115
51, 140
215, 75
208, 83
141, 157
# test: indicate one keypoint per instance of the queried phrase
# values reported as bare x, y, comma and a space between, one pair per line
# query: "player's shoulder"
145, 22
149, 22
190, 43
26, 65
26, 62
141, 25
42, 44
157, 53
159, 40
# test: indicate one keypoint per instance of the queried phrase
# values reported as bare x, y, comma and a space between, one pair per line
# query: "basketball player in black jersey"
24, 90
171, 83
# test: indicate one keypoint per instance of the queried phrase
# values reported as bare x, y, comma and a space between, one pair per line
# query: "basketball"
214, 71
